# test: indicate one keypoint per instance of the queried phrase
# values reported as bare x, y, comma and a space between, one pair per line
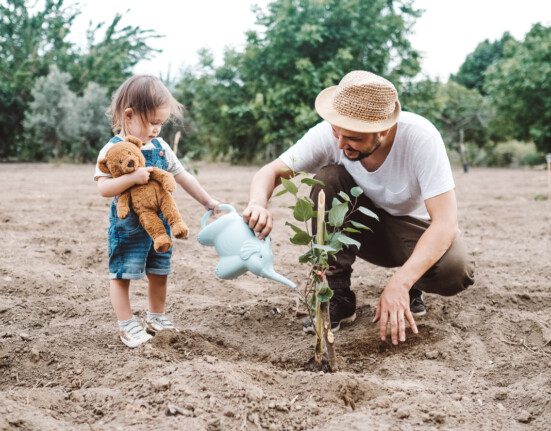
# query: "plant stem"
325, 338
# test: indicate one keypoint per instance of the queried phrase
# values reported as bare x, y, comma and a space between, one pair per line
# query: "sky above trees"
445, 34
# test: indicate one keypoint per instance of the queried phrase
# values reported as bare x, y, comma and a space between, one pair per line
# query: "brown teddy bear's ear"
102, 165
137, 142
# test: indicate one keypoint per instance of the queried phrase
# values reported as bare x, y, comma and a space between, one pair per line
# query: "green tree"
472, 72
28, 45
110, 55
265, 95
50, 122
33, 38
520, 88
464, 115
93, 124
422, 97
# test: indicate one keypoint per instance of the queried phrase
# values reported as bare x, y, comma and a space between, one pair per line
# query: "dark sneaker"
416, 304
342, 309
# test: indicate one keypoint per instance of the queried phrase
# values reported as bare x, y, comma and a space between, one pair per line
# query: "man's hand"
393, 309
259, 219
141, 175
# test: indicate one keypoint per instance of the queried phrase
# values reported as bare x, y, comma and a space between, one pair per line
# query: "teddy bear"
146, 200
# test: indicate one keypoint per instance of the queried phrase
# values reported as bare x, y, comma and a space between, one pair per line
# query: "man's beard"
361, 155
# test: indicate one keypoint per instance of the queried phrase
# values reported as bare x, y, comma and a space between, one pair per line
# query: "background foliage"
258, 101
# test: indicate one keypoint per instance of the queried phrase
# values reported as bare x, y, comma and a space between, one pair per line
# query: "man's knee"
334, 176
330, 171
451, 275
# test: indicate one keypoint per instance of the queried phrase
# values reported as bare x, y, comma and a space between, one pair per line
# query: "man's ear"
137, 142
383, 133
103, 166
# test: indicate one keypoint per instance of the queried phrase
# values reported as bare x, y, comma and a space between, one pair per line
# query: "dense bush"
515, 153
59, 124
504, 154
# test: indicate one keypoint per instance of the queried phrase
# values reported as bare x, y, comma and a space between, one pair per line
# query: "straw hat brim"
324, 107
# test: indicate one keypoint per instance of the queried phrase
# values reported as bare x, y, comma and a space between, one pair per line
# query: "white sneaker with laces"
156, 322
133, 334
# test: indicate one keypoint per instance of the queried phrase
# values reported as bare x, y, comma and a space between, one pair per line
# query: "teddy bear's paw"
180, 230
169, 183
162, 243
122, 212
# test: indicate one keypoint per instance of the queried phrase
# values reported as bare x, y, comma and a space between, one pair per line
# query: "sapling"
328, 239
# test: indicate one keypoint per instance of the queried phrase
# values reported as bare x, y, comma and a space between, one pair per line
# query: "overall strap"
115, 139
156, 143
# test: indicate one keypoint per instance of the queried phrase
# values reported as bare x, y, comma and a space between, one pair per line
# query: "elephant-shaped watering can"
238, 247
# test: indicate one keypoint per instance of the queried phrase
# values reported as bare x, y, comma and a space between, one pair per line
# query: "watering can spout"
271, 274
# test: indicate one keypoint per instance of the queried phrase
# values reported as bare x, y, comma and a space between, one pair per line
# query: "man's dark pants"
389, 244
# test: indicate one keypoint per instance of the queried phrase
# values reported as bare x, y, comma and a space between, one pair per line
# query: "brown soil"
482, 360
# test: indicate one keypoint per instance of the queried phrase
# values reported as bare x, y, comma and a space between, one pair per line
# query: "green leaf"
289, 186
292, 226
335, 202
324, 292
351, 230
301, 238
312, 303
347, 240
335, 244
323, 247
307, 257
310, 201
359, 225
337, 214
368, 213
312, 182
303, 210
281, 192
356, 191
344, 196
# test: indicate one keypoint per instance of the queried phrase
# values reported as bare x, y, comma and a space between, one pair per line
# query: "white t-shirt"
175, 167
417, 167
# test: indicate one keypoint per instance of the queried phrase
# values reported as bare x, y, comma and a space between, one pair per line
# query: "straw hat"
362, 102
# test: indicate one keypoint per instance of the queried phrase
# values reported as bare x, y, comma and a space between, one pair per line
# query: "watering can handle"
221, 207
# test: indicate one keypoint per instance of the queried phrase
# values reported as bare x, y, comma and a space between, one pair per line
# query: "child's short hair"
144, 94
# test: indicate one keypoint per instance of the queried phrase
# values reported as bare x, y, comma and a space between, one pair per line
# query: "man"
400, 162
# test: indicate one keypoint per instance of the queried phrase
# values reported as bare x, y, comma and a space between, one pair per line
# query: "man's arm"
393, 304
262, 186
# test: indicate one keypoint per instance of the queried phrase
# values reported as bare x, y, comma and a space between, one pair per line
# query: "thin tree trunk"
176, 141
462, 152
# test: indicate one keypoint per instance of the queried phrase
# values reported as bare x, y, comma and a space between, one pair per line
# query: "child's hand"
212, 205
141, 175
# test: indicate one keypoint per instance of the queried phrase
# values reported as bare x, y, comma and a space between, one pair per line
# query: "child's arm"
109, 187
190, 184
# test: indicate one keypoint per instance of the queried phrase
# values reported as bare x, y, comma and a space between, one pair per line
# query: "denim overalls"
130, 248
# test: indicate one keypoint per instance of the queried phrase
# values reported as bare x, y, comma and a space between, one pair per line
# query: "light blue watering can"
238, 247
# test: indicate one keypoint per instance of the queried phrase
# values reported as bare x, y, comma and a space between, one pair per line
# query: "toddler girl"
140, 107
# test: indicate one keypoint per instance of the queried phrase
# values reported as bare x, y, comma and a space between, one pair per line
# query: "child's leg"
156, 290
155, 318
120, 299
